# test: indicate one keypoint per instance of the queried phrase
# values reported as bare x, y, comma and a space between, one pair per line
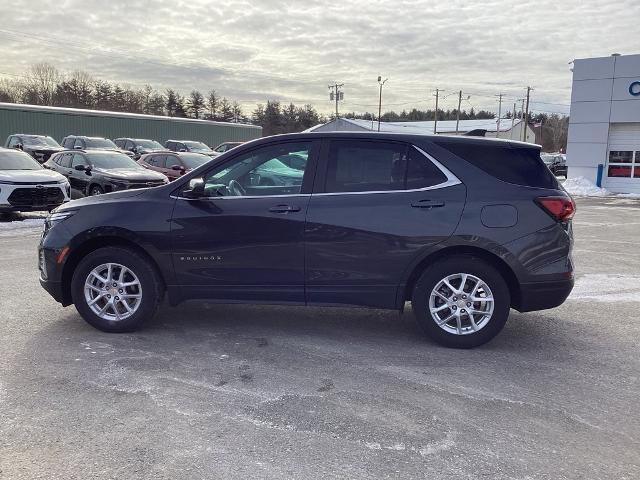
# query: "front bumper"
18, 197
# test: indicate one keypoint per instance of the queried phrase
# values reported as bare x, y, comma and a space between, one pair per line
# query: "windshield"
112, 160
194, 160
18, 161
197, 146
40, 142
150, 144
100, 143
547, 158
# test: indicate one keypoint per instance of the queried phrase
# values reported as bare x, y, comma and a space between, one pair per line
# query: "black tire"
450, 266
95, 190
150, 282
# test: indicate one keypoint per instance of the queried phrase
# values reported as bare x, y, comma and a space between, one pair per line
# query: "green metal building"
59, 122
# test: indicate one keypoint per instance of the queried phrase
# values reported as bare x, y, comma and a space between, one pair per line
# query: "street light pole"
381, 83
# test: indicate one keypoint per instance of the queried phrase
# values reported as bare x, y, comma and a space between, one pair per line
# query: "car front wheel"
116, 289
461, 302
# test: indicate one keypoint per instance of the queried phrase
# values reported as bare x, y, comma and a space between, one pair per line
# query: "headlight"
57, 217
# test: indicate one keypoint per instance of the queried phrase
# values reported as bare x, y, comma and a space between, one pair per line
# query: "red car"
173, 164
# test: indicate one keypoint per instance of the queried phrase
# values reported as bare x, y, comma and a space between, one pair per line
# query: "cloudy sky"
291, 51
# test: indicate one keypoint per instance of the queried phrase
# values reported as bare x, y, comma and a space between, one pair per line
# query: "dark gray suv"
463, 228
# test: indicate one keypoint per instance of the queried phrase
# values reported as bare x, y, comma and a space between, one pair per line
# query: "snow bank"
581, 187
27, 226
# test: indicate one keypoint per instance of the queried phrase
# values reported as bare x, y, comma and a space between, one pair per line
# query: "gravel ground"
214, 391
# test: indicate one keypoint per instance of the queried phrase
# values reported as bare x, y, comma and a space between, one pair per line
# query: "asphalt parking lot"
214, 391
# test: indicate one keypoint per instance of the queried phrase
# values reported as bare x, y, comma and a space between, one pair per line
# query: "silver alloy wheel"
461, 304
113, 292
95, 191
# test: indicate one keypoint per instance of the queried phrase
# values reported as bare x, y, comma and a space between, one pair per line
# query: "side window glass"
422, 172
129, 145
66, 160
13, 142
360, 166
67, 143
119, 143
78, 160
171, 160
261, 172
153, 160
78, 143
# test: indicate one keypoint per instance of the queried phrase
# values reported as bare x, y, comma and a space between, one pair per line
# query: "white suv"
27, 186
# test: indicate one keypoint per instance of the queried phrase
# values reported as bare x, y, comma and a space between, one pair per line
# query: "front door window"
266, 171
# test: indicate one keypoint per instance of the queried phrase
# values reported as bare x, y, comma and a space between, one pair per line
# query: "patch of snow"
28, 226
581, 187
607, 288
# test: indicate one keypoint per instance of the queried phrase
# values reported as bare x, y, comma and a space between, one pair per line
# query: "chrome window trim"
449, 182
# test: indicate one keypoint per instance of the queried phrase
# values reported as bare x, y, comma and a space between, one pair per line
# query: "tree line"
44, 84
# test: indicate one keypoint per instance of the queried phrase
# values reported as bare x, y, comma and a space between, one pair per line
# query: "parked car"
94, 172
465, 228
189, 146
79, 142
139, 146
171, 164
27, 186
40, 147
226, 146
556, 162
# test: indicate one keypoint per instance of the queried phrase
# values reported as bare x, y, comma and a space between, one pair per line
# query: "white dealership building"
604, 124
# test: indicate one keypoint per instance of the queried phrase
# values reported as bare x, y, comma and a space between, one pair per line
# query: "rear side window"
518, 165
365, 166
65, 161
360, 166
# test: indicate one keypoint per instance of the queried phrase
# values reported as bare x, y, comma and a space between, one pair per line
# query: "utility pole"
526, 116
458, 111
513, 119
381, 83
500, 95
336, 94
435, 115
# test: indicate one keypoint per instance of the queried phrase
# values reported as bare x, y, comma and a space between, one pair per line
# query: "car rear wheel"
95, 190
461, 302
116, 289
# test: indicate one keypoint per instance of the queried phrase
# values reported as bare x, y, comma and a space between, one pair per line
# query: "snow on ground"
22, 224
581, 187
602, 287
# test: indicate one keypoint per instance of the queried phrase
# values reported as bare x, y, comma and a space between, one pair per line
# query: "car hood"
43, 148
31, 176
130, 174
98, 199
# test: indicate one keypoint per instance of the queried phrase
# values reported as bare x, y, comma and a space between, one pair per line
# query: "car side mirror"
19, 146
195, 189
178, 168
77, 147
80, 168
182, 150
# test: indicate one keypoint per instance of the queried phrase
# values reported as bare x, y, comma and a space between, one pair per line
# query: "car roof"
404, 137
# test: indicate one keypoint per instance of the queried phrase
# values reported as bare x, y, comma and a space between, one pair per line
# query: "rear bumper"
543, 295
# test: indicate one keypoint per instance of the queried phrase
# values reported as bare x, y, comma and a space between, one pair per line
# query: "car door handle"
428, 204
284, 208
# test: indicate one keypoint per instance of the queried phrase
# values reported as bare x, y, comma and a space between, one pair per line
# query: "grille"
36, 197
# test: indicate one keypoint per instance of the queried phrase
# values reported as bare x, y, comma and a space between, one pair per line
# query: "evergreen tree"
196, 104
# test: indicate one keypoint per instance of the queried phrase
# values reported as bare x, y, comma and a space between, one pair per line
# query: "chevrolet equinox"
464, 228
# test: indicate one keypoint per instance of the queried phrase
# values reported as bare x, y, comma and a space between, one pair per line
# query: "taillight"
561, 208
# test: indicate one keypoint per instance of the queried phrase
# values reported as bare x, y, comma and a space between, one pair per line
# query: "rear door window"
520, 165
369, 166
65, 161
171, 160
364, 166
